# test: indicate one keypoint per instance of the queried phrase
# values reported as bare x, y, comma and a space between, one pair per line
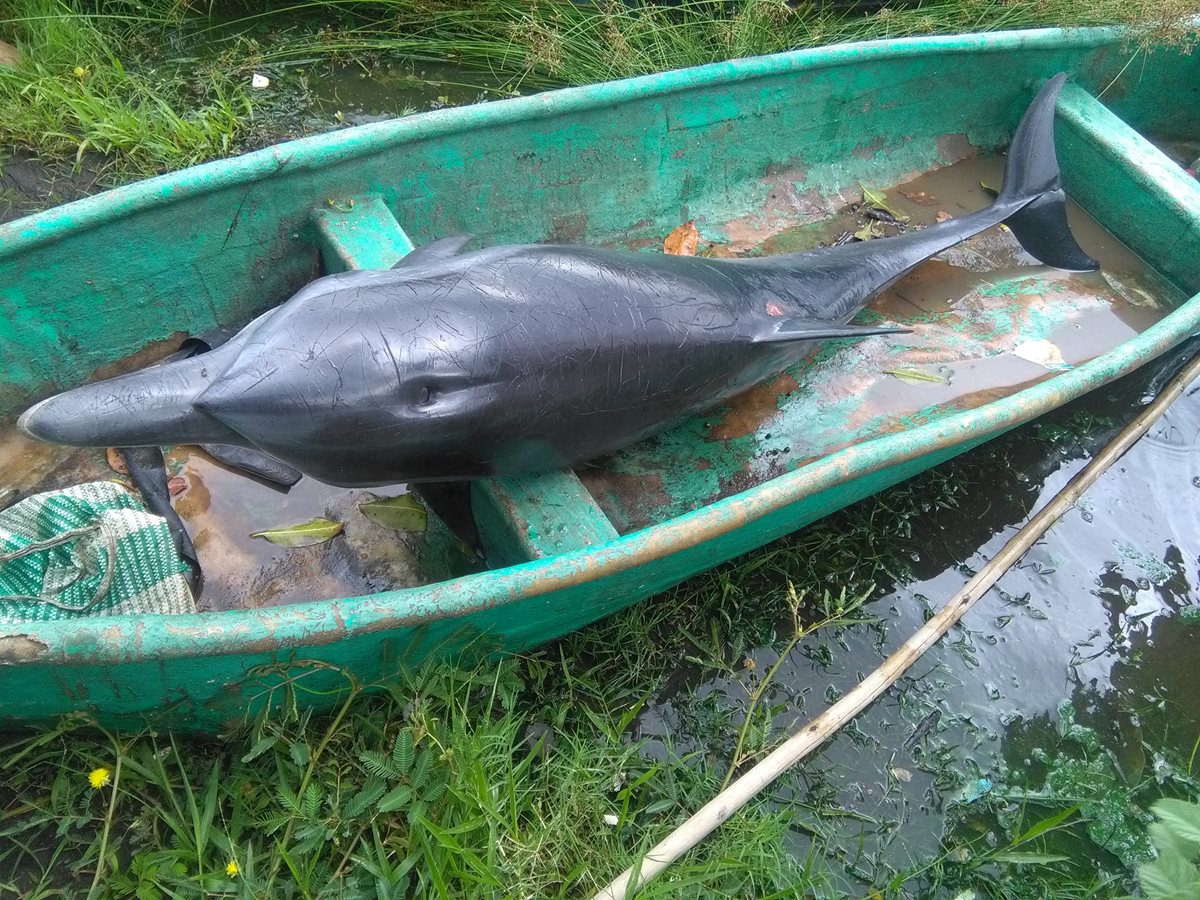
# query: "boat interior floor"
987, 320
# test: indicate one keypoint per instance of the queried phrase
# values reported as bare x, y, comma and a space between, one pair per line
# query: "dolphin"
515, 359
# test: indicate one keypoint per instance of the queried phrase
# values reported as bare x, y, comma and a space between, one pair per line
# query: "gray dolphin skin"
528, 358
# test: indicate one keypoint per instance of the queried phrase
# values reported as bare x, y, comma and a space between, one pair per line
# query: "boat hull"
95, 281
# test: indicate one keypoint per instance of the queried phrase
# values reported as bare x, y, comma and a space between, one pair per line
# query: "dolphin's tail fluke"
1032, 181
1031, 203
153, 406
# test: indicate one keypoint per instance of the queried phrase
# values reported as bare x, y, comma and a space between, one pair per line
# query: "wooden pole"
802, 743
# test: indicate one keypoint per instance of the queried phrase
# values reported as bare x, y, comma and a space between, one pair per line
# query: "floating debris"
916, 376
867, 232
1043, 353
923, 728
978, 788
116, 461
881, 215
879, 200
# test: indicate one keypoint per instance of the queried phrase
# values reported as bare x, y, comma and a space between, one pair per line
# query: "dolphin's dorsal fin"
802, 329
435, 251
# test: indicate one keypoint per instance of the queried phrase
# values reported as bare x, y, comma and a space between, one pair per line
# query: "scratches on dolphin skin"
249, 387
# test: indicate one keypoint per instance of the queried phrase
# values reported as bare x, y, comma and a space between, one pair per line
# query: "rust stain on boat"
754, 408
21, 648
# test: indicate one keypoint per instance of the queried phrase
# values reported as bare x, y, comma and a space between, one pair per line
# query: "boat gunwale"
128, 639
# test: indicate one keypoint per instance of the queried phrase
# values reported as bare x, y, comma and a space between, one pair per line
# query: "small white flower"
610, 819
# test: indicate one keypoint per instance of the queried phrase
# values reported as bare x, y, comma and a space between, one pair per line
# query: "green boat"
763, 155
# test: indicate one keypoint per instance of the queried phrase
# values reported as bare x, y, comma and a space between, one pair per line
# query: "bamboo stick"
802, 743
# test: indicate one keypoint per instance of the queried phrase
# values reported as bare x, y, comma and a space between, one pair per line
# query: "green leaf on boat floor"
403, 513
306, 534
879, 200
867, 232
916, 376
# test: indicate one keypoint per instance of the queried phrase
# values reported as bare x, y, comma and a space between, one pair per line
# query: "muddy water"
222, 508
991, 288
358, 96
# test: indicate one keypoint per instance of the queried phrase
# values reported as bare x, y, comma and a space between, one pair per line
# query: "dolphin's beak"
33, 423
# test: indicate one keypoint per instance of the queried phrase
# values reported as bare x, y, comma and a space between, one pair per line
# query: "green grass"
88, 85
160, 84
555, 42
512, 779
441, 787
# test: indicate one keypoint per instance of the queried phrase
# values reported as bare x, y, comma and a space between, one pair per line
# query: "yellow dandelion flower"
98, 778
232, 869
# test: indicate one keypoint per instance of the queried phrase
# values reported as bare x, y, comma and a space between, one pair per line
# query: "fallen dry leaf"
683, 240
176, 485
116, 461
943, 216
920, 197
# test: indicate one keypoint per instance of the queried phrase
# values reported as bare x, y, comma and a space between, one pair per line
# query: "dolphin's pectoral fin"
799, 329
435, 251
